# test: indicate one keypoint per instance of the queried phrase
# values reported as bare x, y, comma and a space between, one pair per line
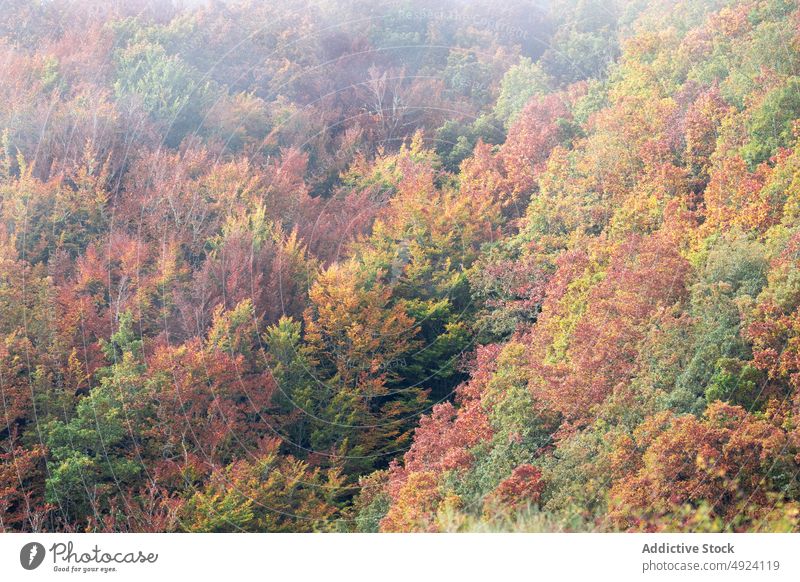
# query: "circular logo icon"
31, 555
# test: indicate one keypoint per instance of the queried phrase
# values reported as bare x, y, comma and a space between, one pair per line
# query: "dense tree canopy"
369, 266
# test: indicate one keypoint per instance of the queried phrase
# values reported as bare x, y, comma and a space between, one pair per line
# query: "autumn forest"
381, 266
